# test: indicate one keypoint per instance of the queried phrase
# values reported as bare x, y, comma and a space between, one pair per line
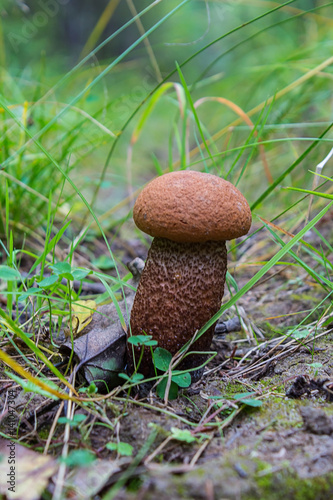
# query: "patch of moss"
290, 487
44, 432
231, 388
304, 297
135, 484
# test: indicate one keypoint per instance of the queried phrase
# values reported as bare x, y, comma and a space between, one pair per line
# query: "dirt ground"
282, 449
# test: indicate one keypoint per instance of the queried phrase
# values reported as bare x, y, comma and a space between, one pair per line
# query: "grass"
247, 99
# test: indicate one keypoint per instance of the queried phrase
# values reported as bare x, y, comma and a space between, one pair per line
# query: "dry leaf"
100, 352
28, 472
89, 481
82, 313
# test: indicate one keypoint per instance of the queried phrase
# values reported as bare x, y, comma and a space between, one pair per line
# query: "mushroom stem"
180, 289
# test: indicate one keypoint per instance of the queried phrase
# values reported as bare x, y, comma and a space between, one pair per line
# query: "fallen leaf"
28, 472
82, 313
100, 352
89, 481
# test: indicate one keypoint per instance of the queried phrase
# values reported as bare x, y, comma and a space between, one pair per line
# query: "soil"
281, 449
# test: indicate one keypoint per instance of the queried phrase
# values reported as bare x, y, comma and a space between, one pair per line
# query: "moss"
290, 487
44, 432
231, 388
135, 484
304, 297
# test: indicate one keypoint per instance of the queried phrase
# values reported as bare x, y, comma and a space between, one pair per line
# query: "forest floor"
282, 448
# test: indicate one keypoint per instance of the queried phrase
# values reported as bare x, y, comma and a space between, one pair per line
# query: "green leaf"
151, 343
243, 398
135, 378
112, 446
49, 281
80, 274
255, 403
182, 435
29, 386
67, 276
28, 293
315, 365
50, 245
91, 389
162, 359
61, 268
173, 391
77, 419
299, 333
82, 458
136, 339
142, 340
103, 262
182, 380
122, 448
9, 274
242, 395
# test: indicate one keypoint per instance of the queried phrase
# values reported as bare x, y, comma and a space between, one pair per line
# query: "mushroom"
190, 215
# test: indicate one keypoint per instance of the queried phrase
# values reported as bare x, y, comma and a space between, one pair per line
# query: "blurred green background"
268, 60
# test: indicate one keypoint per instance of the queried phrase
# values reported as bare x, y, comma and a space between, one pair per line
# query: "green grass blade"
114, 300
292, 167
195, 114
50, 246
317, 277
315, 193
14, 328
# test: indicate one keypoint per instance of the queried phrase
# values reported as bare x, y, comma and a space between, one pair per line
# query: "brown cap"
189, 206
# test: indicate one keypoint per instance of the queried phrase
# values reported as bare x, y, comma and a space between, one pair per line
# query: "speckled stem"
180, 289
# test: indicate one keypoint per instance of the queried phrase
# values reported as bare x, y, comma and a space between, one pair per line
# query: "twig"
53, 426
158, 450
200, 451
60, 480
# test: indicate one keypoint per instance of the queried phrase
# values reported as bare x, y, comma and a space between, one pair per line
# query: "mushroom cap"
190, 206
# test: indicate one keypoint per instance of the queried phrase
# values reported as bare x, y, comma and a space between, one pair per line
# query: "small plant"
172, 379
82, 458
183, 435
77, 419
122, 449
142, 341
246, 398
316, 367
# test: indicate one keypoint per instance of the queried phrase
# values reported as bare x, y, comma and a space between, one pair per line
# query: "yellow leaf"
82, 312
